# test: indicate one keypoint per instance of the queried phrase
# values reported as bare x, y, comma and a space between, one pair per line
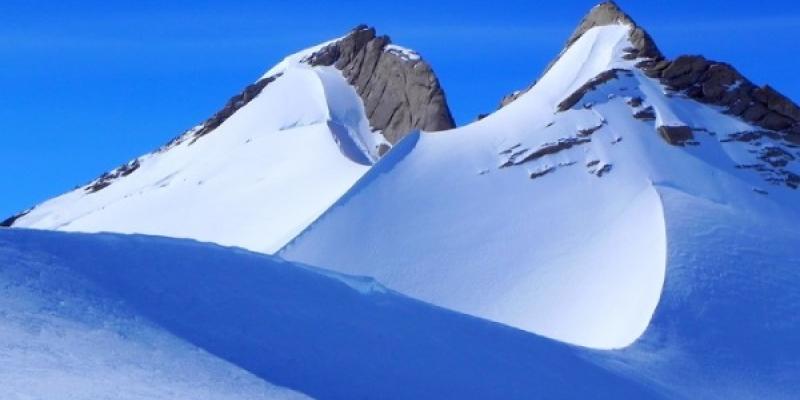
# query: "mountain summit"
624, 201
273, 158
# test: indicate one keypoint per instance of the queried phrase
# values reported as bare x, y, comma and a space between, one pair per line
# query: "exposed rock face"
720, 84
589, 86
399, 90
706, 81
109, 177
676, 135
608, 13
234, 104
645, 114
8, 222
518, 157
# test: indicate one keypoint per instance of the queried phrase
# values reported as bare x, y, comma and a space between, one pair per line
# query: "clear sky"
87, 85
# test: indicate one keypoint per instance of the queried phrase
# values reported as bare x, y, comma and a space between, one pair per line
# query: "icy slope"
63, 336
548, 215
271, 161
86, 316
728, 321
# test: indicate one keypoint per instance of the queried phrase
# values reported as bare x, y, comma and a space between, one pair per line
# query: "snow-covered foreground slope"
728, 322
260, 170
88, 316
64, 335
549, 215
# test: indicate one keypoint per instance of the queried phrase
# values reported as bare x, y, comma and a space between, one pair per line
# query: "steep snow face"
728, 321
87, 316
255, 181
548, 214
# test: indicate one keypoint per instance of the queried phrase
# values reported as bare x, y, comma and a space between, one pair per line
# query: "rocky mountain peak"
399, 89
706, 81
609, 13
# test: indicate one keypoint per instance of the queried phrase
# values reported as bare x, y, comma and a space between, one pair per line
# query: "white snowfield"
574, 244
255, 181
107, 316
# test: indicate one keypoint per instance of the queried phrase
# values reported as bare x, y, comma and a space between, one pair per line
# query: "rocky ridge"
399, 90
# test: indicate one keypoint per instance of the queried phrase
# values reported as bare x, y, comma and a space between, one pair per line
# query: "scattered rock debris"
645, 114
541, 172
109, 177
676, 135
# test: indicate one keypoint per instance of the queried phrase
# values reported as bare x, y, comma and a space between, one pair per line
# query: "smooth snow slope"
543, 254
729, 319
551, 221
90, 316
255, 181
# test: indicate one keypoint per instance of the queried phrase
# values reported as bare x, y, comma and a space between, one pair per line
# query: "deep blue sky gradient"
88, 85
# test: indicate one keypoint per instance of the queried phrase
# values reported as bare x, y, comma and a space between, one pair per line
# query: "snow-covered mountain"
623, 200
274, 158
626, 227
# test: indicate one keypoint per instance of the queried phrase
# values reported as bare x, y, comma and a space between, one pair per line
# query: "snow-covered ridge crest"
273, 158
469, 212
548, 215
640, 45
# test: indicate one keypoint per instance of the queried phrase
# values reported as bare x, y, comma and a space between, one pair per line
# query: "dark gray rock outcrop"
608, 13
590, 86
676, 135
399, 90
234, 104
9, 222
722, 85
108, 178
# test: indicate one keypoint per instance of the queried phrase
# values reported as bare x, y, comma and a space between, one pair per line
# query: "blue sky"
88, 85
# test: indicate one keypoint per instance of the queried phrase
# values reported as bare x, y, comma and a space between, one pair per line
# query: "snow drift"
548, 215
642, 210
104, 315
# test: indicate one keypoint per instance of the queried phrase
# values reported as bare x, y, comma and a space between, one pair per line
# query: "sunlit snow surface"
581, 251
255, 181
676, 270
102, 316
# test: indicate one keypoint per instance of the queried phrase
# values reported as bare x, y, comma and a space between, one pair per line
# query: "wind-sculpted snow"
459, 221
256, 181
728, 322
272, 159
113, 316
576, 250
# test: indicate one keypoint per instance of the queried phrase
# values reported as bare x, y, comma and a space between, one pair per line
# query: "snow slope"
255, 181
63, 336
88, 316
548, 215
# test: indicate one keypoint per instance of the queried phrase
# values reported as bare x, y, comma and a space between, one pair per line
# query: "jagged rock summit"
400, 91
609, 13
273, 158
704, 80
